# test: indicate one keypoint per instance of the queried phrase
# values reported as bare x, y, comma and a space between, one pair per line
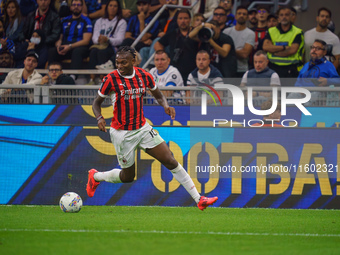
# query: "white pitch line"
168, 232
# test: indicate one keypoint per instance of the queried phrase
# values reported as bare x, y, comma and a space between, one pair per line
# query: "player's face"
317, 51
124, 63
162, 62
323, 19
30, 64
260, 63
202, 61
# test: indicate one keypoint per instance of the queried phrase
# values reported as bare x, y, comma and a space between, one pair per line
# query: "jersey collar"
128, 76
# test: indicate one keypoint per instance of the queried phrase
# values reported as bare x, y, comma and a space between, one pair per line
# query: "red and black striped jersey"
126, 95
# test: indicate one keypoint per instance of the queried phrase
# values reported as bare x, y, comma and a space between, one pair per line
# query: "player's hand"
171, 112
102, 124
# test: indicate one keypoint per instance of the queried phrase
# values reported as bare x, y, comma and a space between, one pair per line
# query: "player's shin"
184, 178
108, 176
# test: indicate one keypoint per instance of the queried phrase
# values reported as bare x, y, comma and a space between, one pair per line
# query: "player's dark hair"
325, 9
127, 49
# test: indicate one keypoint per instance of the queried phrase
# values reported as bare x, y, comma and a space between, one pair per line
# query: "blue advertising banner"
244, 167
46, 150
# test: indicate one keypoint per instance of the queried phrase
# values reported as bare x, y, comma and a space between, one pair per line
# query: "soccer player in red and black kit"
126, 87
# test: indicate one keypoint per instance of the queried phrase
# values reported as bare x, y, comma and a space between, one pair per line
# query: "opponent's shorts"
127, 141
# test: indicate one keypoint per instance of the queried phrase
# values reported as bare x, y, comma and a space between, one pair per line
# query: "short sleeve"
106, 87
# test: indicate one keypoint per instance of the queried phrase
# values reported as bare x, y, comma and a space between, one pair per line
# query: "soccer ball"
71, 202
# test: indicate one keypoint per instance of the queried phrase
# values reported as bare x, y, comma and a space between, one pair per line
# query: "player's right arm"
97, 110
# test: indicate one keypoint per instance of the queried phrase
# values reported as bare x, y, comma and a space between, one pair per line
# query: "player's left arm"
162, 101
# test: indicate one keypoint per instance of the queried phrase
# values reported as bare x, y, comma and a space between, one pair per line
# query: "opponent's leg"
163, 154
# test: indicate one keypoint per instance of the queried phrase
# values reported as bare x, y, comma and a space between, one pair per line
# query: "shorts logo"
174, 76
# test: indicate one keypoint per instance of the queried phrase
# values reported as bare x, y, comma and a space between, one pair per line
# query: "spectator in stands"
45, 18
26, 75
94, 9
166, 75
293, 15
261, 75
206, 7
203, 73
197, 19
36, 43
284, 45
27, 6
108, 33
74, 39
6, 61
6, 44
228, 6
56, 76
321, 32
252, 20
136, 25
220, 16
62, 7
220, 47
168, 23
317, 72
260, 32
182, 48
271, 21
129, 8
244, 39
13, 20
271, 120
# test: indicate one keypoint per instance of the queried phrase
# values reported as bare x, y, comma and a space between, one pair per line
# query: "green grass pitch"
98, 230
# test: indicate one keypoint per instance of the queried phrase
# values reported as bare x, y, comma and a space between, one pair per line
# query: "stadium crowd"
86, 34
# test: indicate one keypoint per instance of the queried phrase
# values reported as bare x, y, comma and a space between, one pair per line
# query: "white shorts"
127, 141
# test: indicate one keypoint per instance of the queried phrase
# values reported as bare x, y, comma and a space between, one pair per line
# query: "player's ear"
133, 61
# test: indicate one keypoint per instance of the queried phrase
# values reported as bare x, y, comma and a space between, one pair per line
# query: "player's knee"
170, 162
